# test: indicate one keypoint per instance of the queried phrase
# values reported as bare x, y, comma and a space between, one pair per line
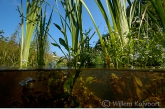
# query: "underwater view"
71, 54
93, 88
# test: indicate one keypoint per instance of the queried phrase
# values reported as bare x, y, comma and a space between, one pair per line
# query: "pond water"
92, 88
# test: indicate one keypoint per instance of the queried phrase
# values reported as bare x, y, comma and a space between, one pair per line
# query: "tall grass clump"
42, 37
72, 22
33, 9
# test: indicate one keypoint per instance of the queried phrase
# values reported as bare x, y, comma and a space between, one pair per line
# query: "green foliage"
100, 37
135, 37
9, 50
42, 38
160, 11
144, 46
117, 11
33, 9
89, 80
72, 22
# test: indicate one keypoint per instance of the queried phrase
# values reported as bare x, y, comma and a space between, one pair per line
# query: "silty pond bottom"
92, 88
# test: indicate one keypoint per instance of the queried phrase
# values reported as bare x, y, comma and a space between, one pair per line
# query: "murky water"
92, 88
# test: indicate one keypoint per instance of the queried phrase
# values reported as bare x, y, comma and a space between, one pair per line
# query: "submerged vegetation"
47, 88
134, 39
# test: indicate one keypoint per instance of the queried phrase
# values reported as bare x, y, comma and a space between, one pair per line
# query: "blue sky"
10, 19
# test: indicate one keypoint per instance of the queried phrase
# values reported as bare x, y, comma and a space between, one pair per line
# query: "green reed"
33, 9
42, 37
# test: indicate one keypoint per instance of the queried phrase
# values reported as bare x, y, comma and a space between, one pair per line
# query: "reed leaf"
98, 32
42, 37
143, 15
153, 18
73, 23
22, 33
132, 11
32, 10
160, 11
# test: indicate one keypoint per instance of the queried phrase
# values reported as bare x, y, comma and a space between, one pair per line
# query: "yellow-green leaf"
138, 81
89, 80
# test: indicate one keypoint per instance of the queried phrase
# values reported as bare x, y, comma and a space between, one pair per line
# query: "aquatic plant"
117, 10
140, 50
52, 89
90, 51
72, 22
89, 80
126, 86
53, 93
42, 37
100, 37
33, 9
83, 94
160, 11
